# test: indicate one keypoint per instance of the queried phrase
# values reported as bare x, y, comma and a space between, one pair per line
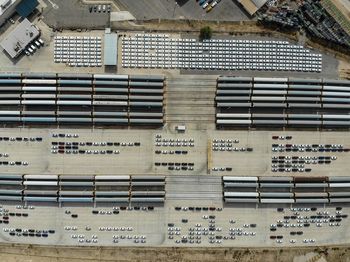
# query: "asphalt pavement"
72, 14
226, 10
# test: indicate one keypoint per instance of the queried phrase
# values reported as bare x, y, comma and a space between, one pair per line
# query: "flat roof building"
19, 38
252, 6
110, 48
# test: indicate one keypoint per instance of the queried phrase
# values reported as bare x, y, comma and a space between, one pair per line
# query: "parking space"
226, 10
260, 159
164, 51
135, 152
180, 223
34, 46
73, 14
100, 8
193, 213
78, 51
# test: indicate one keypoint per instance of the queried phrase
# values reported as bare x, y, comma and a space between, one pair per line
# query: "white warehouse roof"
19, 38
110, 48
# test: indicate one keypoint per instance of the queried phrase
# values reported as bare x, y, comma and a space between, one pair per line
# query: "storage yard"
157, 140
160, 51
83, 99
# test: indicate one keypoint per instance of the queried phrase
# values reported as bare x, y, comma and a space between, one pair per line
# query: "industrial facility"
16, 42
158, 132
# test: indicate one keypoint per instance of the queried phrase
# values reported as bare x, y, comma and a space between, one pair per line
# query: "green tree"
205, 33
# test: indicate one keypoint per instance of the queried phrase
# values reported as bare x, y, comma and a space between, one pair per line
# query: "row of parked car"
35, 45
208, 5
100, 9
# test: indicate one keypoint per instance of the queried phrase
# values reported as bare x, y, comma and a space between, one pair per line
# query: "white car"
205, 5
214, 4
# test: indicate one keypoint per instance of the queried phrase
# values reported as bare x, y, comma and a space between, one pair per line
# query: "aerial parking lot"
174, 123
224, 10
73, 14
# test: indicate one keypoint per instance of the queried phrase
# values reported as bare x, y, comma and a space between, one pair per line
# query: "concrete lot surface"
240, 226
135, 160
193, 214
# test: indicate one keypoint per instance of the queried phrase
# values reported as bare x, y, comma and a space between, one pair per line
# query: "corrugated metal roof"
110, 49
26, 7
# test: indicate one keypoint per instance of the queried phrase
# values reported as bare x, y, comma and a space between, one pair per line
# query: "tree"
205, 33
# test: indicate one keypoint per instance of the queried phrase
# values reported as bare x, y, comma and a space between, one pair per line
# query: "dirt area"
343, 7
344, 64
188, 26
19, 253
344, 69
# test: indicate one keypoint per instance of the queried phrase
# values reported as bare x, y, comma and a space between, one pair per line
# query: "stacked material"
282, 102
82, 188
287, 190
84, 99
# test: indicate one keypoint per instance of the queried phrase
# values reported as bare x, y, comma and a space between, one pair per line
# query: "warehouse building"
15, 43
110, 48
252, 6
